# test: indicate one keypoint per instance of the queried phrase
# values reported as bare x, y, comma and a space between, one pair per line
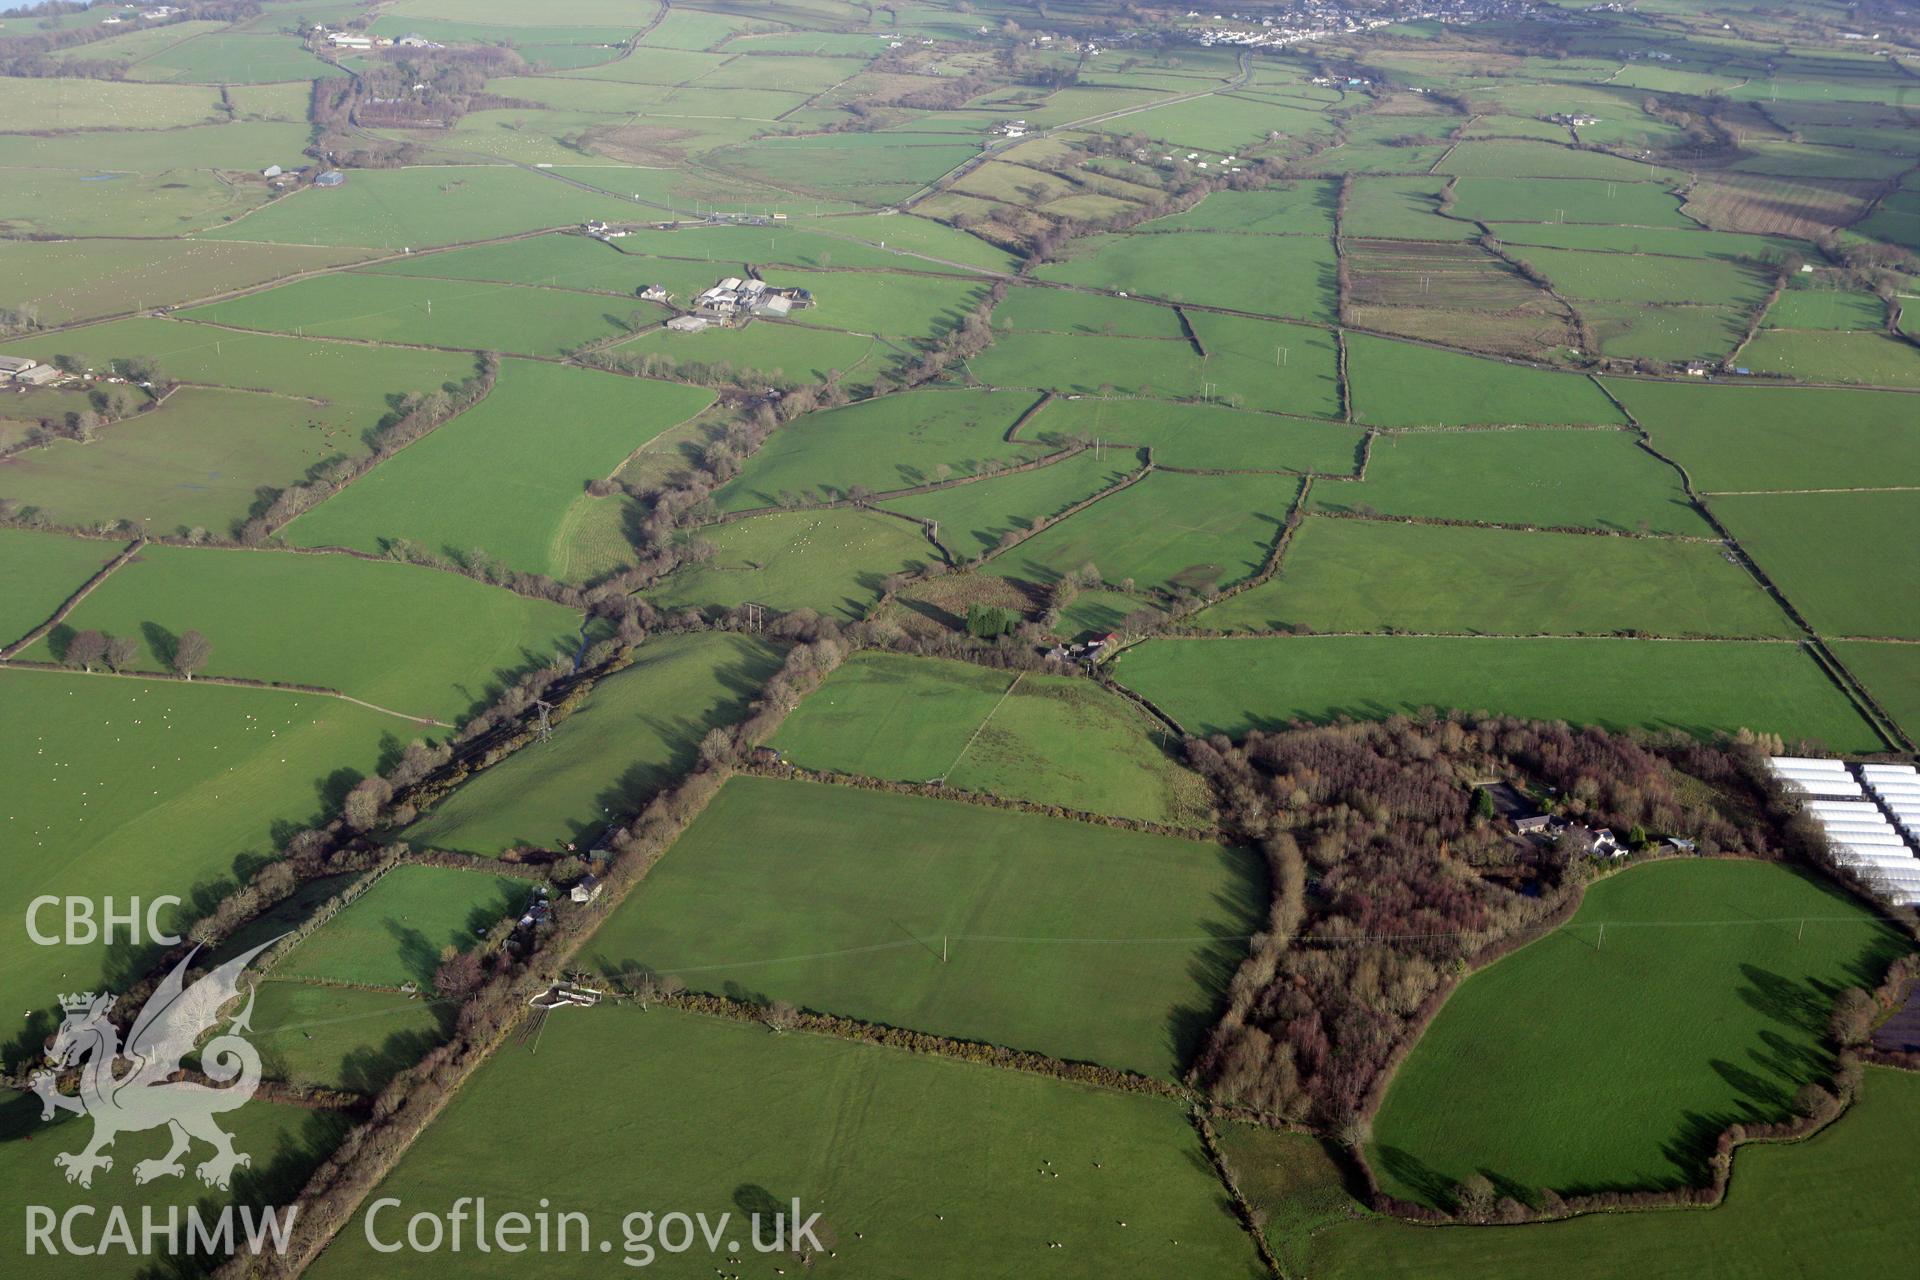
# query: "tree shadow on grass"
1801, 1006
1427, 1183
418, 956
1761, 1098
161, 643
331, 790
274, 1178
1213, 964
370, 1068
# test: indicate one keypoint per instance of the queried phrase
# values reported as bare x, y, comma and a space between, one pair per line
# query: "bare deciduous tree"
85, 649
121, 652
190, 654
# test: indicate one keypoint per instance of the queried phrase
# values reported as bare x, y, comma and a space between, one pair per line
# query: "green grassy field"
777, 350
406, 208
285, 1144
1502, 159
232, 58
1293, 208
1733, 439
635, 732
1637, 204
1366, 575
1674, 333
917, 1164
895, 442
396, 931
1704, 1005
898, 243
1254, 363
434, 313
850, 918
129, 47
503, 475
832, 561
1169, 531
1397, 384
40, 570
1573, 479
1826, 309
974, 517
326, 620
863, 168
1295, 278
1048, 739
98, 156
1812, 355
1231, 686
71, 280
343, 1037
1829, 1205
197, 461
924, 239
1402, 208
1206, 436
1222, 122
1501, 126
31, 106
1640, 278
1295, 1181
880, 302
141, 788
354, 377
1891, 673
1086, 314
1076, 363
1835, 556
1094, 613
1669, 241
562, 261
75, 202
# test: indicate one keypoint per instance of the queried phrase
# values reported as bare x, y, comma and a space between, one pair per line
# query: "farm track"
1405, 634
1768, 493
227, 295
231, 682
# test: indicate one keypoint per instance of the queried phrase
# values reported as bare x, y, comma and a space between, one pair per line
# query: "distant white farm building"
687, 324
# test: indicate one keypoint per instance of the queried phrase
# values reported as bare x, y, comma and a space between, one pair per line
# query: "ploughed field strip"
989, 620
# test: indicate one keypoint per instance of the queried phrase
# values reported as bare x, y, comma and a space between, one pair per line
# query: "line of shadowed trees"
88, 649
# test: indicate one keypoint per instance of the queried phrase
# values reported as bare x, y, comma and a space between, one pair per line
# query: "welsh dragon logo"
127, 1090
